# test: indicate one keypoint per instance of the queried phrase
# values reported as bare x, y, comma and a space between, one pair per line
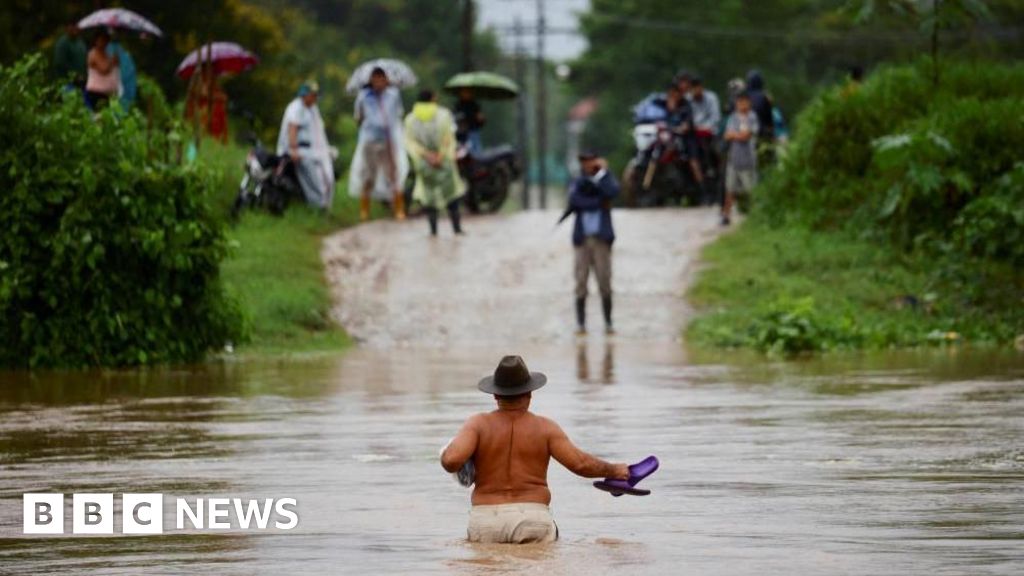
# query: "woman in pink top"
104, 76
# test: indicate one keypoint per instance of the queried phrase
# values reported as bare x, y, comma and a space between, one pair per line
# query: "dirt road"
509, 279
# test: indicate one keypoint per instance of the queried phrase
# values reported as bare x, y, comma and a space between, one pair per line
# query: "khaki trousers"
522, 523
597, 254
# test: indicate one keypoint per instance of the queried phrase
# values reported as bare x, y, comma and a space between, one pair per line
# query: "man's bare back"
511, 448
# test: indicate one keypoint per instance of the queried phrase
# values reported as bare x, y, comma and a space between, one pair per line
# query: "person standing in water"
430, 140
510, 449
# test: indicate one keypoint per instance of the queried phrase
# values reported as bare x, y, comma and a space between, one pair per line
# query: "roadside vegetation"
273, 266
110, 249
896, 219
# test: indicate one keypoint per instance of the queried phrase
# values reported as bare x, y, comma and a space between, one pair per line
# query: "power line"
732, 32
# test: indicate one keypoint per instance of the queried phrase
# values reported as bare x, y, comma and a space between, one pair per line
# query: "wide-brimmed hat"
511, 378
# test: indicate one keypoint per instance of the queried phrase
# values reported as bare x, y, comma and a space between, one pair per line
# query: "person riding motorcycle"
680, 120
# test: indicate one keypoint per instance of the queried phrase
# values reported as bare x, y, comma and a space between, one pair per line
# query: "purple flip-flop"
637, 472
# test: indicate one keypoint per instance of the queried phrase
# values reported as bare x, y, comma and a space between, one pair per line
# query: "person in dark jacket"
590, 198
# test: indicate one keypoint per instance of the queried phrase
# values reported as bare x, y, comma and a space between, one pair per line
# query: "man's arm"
607, 184
462, 447
579, 462
357, 111
580, 200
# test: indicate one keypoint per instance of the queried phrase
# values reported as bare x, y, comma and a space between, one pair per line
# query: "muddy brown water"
883, 463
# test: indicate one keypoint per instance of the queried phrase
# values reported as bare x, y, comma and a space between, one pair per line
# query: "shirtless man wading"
510, 448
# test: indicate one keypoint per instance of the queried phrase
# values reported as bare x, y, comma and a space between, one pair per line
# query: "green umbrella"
485, 85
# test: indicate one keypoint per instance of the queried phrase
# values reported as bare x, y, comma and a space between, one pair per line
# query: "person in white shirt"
304, 139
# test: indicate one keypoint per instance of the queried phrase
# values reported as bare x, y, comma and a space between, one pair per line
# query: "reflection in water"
607, 361
868, 464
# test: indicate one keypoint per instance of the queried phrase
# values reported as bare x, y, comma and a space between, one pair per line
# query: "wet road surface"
510, 280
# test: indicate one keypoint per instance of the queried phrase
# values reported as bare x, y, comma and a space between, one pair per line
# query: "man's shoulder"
545, 423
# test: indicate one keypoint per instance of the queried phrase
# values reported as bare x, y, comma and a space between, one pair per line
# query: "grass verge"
275, 270
792, 290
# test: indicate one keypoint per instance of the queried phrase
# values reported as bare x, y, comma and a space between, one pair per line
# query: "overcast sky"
559, 13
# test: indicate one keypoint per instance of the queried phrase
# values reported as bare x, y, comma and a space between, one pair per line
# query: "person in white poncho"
303, 137
379, 165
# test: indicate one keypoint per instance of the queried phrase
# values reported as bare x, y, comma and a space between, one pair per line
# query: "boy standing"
741, 166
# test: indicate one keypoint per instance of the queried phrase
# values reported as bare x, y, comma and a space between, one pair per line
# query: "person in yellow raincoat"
430, 142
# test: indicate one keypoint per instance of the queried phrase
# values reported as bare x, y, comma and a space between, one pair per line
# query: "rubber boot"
606, 307
432, 218
581, 315
399, 206
364, 207
456, 218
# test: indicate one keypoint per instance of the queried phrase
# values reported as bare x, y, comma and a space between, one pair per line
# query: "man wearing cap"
304, 139
590, 197
510, 449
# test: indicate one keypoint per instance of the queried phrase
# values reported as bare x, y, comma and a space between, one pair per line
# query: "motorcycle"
658, 174
488, 175
268, 181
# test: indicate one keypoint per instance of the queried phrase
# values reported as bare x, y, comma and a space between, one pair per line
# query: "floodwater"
887, 463
908, 463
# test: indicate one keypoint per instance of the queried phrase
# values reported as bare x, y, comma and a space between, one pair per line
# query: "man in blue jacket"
590, 197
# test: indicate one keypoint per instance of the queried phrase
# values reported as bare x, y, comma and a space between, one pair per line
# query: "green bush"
993, 226
109, 254
900, 159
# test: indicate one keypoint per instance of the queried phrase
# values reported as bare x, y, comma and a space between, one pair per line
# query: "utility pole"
467, 35
522, 139
542, 116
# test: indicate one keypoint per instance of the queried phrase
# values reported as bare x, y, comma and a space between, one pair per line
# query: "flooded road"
510, 279
882, 464
908, 463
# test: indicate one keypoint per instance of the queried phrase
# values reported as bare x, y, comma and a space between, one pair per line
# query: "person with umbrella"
430, 140
470, 118
103, 77
469, 88
304, 139
99, 65
126, 65
380, 161
206, 103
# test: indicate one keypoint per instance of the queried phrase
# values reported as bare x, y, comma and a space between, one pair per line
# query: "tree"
931, 16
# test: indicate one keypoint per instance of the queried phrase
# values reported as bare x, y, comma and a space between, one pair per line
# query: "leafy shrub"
109, 254
993, 226
897, 158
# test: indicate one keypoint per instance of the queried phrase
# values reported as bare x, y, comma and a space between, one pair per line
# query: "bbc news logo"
144, 513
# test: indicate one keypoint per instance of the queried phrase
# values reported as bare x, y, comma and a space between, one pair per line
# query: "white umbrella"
399, 74
119, 18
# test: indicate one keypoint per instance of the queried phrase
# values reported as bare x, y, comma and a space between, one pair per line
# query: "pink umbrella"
119, 18
227, 58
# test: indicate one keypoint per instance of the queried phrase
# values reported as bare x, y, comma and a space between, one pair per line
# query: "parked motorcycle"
268, 181
488, 175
